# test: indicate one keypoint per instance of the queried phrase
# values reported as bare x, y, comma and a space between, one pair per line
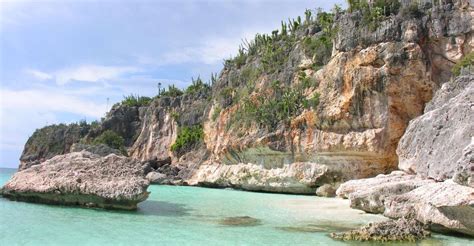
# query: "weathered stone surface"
434, 142
393, 230
464, 174
298, 178
370, 194
444, 206
81, 178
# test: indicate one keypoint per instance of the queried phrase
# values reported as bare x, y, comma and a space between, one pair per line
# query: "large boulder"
370, 194
444, 206
436, 144
81, 178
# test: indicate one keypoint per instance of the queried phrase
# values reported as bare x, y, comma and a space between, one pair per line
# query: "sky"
64, 61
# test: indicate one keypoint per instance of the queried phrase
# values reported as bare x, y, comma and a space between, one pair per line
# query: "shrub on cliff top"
188, 137
111, 139
135, 101
172, 91
197, 85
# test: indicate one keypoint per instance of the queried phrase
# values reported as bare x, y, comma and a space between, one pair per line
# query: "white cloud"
48, 101
38, 74
212, 50
91, 73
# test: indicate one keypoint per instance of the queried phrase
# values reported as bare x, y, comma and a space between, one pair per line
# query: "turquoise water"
188, 216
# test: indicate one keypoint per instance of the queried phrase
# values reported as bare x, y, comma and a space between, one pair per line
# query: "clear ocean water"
189, 216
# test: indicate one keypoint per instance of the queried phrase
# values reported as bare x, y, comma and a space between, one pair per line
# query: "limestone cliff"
320, 101
374, 83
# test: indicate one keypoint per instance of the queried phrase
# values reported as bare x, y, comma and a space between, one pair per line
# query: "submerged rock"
394, 230
81, 178
240, 221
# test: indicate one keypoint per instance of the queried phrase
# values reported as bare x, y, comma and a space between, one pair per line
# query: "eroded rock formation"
81, 178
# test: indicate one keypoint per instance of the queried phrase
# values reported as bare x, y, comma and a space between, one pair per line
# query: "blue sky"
61, 60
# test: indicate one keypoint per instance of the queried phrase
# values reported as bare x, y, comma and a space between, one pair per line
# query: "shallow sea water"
175, 215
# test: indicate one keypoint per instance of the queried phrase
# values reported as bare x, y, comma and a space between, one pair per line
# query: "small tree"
111, 139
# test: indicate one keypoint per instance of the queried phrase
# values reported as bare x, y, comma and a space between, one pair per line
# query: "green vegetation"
188, 138
375, 12
412, 11
172, 91
175, 116
320, 47
467, 60
135, 101
216, 113
279, 106
111, 139
197, 86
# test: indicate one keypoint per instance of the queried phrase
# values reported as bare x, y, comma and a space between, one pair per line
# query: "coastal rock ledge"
82, 179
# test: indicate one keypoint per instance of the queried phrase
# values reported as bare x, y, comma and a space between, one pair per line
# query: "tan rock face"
81, 178
158, 132
362, 114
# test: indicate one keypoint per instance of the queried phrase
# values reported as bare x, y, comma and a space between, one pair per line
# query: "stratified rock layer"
81, 178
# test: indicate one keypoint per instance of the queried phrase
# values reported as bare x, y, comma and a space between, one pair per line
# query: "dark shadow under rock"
240, 221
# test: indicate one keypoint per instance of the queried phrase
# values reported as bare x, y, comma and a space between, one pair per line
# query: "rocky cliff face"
50, 141
293, 99
439, 144
160, 123
375, 82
